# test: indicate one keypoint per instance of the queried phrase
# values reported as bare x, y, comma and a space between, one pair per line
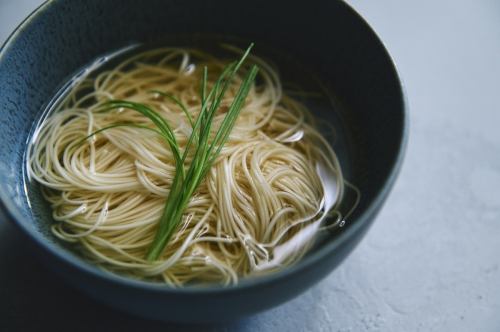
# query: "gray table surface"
431, 262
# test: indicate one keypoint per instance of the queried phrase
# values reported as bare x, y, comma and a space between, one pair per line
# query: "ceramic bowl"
328, 37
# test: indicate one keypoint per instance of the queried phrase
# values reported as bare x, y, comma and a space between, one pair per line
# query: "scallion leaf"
207, 148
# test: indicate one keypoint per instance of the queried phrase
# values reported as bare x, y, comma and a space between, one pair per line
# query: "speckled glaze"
62, 36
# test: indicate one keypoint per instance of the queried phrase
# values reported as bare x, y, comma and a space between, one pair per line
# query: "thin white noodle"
108, 193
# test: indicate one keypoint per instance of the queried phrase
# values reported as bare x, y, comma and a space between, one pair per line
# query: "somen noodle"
256, 210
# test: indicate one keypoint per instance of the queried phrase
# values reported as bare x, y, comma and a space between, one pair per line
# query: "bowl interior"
326, 40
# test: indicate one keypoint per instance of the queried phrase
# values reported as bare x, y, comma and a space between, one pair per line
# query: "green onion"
206, 148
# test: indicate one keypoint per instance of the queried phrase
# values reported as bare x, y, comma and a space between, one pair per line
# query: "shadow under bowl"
61, 37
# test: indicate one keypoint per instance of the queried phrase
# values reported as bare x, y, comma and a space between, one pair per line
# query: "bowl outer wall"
153, 301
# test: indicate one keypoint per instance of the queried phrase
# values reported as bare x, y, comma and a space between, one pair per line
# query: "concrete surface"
432, 260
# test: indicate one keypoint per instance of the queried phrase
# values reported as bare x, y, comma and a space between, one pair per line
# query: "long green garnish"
207, 146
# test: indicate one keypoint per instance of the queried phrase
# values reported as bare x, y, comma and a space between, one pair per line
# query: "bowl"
334, 42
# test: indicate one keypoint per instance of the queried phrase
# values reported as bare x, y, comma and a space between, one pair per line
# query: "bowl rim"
11, 213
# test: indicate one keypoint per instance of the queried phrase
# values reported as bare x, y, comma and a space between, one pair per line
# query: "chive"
206, 149
115, 125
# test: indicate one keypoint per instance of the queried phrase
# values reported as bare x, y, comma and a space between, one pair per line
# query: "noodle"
108, 193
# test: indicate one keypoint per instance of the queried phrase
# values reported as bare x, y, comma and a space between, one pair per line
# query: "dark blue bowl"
61, 37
